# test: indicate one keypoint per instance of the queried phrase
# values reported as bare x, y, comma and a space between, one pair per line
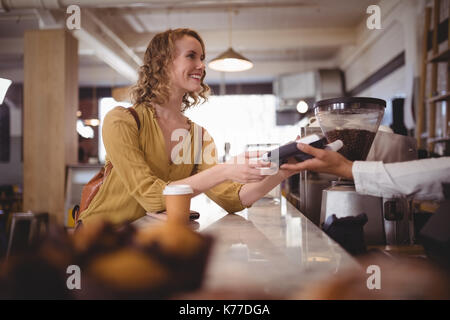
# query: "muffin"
183, 252
127, 273
172, 239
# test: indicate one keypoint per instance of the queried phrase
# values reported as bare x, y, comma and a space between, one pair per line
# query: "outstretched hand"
245, 167
324, 161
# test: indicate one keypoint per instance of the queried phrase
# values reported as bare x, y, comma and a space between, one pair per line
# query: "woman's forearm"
251, 192
204, 180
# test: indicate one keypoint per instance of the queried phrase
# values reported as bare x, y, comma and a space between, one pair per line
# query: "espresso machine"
355, 121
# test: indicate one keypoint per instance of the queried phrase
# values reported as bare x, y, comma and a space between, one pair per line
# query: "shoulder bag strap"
91, 188
136, 117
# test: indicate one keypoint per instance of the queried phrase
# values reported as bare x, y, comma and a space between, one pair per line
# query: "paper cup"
178, 203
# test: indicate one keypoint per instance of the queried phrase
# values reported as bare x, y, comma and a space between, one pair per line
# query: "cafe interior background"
65, 79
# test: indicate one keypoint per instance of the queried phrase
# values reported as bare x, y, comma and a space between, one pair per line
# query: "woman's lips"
196, 76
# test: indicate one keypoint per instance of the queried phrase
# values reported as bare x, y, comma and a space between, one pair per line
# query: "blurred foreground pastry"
172, 239
182, 251
155, 263
128, 273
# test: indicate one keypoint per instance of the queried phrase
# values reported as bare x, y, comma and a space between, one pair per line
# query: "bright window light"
241, 120
237, 119
106, 105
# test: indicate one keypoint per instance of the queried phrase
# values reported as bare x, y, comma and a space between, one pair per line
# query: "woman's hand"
244, 168
285, 173
324, 161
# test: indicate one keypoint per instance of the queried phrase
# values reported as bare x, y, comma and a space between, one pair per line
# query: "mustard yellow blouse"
141, 168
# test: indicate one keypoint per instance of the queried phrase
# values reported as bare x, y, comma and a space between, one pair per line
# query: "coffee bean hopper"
355, 121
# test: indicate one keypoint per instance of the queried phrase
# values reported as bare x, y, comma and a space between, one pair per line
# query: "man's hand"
324, 161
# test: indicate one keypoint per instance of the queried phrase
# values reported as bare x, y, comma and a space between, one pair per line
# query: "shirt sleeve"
225, 194
121, 139
421, 179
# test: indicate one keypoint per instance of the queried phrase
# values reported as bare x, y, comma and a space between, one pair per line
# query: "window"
241, 120
237, 119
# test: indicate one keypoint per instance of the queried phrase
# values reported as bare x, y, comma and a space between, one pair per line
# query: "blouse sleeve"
421, 179
225, 194
121, 139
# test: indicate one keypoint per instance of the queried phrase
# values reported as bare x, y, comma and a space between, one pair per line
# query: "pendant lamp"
4, 85
230, 60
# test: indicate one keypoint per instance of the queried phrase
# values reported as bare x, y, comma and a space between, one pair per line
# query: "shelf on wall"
438, 139
443, 56
442, 97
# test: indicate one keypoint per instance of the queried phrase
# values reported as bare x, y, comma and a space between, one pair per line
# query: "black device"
348, 232
283, 153
162, 215
194, 215
435, 236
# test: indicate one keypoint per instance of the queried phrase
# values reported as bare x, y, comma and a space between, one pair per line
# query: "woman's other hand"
324, 161
244, 168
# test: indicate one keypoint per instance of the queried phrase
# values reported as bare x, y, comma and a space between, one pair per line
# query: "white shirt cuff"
368, 175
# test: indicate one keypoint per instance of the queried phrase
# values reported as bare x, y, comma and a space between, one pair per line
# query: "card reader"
283, 153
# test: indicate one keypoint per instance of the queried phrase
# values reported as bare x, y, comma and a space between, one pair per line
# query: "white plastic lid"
177, 189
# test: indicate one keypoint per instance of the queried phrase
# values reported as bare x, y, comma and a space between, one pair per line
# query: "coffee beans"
357, 143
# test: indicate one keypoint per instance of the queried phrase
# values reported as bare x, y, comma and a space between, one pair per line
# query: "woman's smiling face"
188, 68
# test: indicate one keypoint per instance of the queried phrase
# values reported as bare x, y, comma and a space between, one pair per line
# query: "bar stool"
26, 228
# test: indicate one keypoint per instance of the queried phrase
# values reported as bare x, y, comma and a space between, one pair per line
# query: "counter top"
270, 248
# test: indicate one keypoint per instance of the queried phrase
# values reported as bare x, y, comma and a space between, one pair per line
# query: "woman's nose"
201, 65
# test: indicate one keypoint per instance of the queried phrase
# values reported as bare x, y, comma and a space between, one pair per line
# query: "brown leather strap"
136, 117
93, 186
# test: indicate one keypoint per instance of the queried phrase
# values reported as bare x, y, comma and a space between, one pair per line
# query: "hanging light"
84, 131
230, 60
4, 85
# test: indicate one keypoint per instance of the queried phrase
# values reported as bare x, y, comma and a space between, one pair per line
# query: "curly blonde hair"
153, 83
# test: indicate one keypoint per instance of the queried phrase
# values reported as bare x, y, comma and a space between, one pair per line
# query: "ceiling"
279, 36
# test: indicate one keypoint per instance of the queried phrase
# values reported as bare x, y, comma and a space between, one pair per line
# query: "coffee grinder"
355, 121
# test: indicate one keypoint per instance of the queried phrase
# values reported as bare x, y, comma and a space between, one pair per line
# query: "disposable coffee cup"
178, 203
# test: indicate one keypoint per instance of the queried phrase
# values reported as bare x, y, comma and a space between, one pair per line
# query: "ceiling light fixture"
302, 106
230, 60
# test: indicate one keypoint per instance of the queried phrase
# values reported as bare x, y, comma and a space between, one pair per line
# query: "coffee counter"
270, 248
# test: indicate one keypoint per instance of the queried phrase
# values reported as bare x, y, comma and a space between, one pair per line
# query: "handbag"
91, 188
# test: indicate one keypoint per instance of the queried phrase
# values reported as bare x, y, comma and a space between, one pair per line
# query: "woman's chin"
195, 89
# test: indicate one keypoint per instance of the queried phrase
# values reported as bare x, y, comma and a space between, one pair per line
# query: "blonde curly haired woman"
146, 159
